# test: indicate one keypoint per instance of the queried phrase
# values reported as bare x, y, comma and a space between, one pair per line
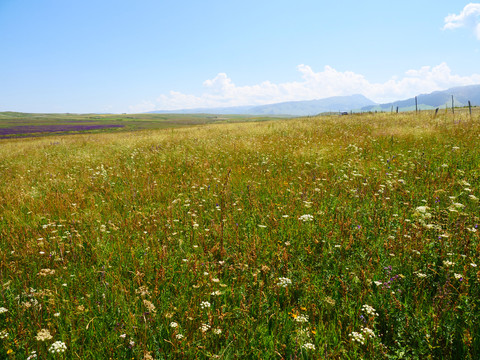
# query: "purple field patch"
31, 129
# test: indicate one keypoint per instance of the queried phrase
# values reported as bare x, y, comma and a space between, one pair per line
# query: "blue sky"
134, 56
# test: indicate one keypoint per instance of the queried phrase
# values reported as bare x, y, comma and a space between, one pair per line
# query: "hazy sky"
143, 55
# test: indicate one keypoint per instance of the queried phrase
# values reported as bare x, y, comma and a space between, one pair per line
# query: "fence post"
470, 108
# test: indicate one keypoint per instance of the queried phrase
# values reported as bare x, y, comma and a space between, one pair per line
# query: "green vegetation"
350, 237
13, 124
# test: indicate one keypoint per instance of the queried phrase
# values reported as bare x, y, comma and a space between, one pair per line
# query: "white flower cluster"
420, 275
284, 282
204, 304
57, 347
448, 263
369, 310
302, 318
306, 218
43, 335
173, 324
33, 355
205, 327
3, 310
3, 334
179, 336
368, 332
308, 346
358, 337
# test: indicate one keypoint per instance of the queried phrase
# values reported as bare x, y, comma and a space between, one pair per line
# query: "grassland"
349, 237
20, 125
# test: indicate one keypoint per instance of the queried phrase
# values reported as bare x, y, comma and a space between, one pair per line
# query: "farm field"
19, 125
352, 237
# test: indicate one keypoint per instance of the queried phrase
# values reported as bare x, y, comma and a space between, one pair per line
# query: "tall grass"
324, 237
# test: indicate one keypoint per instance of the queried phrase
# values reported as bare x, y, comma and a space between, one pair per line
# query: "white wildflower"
57, 347
308, 346
43, 335
205, 304
284, 282
358, 337
306, 218
205, 327
368, 332
302, 318
369, 310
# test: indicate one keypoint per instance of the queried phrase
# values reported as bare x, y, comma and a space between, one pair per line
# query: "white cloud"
221, 91
469, 18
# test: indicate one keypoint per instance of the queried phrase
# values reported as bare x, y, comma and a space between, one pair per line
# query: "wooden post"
453, 108
470, 108
416, 105
397, 109
436, 112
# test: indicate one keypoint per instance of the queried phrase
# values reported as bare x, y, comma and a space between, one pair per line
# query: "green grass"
109, 240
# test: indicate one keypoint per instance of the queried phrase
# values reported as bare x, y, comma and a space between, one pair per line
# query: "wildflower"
205, 327
473, 265
306, 218
173, 324
473, 197
448, 263
302, 319
57, 314
33, 355
131, 343
179, 336
46, 272
217, 331
216, 293
205, 304
149, 305
123, 336
3, 334
369, 310
368, 332
57, 347
143, 291
458, 276
308, 346
284, 282
215, 280
358, 337
3, 310
378, 283
43, 335
421, 275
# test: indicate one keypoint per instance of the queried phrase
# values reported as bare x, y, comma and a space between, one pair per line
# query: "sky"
124, 56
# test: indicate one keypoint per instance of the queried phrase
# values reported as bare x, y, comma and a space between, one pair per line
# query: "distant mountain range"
295, 108
354, 103
461, 96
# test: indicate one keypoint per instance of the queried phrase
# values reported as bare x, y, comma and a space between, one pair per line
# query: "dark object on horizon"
344, 113
453, 108
436, 112
416, 105
470, 108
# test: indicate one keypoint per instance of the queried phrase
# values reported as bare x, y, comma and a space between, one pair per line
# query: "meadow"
352, 237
